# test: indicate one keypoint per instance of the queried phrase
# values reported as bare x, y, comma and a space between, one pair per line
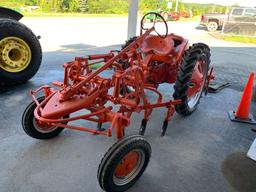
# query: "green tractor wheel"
20, 52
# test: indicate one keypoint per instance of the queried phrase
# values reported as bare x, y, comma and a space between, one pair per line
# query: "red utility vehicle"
175, 16
143, 63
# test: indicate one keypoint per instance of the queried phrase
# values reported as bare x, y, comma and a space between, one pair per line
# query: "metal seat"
157, 45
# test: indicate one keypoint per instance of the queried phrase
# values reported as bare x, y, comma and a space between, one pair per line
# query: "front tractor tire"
124, 163
191, 78
33, 128
20, 53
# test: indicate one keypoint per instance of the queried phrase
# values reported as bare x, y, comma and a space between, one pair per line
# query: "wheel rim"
129, 167
197, 83
212, 27
15, 54
43, 128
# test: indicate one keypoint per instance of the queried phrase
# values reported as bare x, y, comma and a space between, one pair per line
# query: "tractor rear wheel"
124, 163
20, 52
125, 64
191, 78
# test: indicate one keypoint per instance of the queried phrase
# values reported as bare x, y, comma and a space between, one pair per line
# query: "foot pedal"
164, 127
143, 126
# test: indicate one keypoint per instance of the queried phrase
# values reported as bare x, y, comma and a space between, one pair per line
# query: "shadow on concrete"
201, 27
240, 172
233, 64
77, 47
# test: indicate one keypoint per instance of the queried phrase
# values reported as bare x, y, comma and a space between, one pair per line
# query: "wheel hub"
43, 127
15, 54
127, 164
196, 83
129, 167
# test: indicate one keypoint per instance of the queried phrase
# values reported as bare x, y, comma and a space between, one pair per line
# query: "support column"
177, 5
132, 18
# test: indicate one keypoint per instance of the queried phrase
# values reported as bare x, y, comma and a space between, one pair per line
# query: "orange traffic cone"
242, 114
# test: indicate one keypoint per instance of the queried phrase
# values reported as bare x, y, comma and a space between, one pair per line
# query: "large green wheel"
20, 52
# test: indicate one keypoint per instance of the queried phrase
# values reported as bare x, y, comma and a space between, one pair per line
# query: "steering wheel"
156, 16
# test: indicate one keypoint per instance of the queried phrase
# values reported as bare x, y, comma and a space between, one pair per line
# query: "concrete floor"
202, 152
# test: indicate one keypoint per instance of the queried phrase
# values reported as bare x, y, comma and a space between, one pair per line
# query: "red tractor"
175, 16
143, 63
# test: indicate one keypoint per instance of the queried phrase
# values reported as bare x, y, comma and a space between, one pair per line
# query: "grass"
241, 39
41, 14
195, 18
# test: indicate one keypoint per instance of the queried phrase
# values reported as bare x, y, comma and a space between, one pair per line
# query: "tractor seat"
157, 45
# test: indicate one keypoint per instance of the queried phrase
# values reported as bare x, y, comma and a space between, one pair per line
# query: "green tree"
31, 2
68, 5
83, 6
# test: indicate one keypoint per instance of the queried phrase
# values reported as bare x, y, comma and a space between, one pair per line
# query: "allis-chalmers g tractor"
142, 64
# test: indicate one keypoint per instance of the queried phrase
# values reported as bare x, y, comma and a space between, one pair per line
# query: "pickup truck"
214, 21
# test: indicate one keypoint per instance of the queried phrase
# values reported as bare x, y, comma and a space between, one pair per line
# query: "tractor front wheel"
191, 78
35, 129
124, 163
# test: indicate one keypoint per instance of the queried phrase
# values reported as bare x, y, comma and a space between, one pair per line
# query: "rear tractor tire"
20, 52
191, 78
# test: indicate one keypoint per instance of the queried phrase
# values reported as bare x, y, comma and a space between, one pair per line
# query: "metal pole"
177, 3
132, 18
